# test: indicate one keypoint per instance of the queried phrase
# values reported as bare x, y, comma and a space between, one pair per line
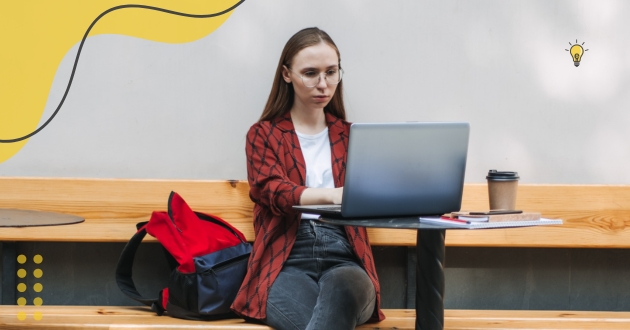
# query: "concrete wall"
145, 109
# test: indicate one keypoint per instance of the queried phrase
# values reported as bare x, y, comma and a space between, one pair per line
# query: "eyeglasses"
312, 78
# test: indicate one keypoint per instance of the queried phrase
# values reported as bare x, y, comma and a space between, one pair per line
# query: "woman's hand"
318, 196
337, 195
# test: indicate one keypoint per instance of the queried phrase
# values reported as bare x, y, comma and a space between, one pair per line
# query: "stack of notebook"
489, 219
492, 216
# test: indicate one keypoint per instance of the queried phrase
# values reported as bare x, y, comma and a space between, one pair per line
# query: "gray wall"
142, 109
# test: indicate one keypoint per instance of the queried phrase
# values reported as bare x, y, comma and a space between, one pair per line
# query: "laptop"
401, 169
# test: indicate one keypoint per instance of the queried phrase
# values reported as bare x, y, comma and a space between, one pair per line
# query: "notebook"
487, 225
401, 169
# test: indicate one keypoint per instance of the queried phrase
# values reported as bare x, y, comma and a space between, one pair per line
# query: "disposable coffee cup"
502, 187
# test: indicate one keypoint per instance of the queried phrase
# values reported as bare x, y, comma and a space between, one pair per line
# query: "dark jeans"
321, 285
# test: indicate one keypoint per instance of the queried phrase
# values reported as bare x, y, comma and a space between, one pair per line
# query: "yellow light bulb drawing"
576, 51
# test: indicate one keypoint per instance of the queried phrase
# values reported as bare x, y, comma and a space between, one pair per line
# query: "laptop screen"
411, 168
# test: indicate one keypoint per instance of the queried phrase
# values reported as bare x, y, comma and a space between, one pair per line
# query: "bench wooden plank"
595, 216
112, 317
112, 207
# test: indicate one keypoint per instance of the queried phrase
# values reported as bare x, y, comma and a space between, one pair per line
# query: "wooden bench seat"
595, 216
141, 318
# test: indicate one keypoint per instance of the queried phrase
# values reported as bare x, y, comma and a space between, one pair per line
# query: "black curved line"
76, 60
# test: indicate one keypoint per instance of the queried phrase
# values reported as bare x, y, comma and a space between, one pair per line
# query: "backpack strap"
124, 271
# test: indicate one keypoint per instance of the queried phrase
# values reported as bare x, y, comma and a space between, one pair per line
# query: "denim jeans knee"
321, 285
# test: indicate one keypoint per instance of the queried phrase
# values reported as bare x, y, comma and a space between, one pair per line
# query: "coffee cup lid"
495, 175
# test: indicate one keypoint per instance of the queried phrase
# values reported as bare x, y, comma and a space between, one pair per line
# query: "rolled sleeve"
269, 183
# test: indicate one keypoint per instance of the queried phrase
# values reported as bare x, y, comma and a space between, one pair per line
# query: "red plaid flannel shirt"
276, 172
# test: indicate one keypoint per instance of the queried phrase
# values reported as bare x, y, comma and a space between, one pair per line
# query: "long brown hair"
281, 97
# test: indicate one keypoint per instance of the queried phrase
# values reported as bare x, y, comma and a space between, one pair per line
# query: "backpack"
208, 258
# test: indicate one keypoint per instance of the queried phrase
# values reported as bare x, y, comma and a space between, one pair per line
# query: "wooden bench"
141, 318
595, 216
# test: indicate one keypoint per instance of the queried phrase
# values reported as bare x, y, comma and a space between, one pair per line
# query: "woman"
303, 274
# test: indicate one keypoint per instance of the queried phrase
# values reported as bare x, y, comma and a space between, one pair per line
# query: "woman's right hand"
337, 195
319, 196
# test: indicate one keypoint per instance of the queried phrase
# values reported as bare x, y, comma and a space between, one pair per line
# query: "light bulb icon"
576, 51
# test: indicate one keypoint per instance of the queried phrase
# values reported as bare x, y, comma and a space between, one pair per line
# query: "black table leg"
430, 280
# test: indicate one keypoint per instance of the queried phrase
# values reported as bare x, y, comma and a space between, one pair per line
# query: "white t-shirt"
316, 152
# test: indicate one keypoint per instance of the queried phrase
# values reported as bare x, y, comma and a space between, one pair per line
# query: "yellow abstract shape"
21, 301
38, 273
37, 287
38, 316
38, 301
38, 259
21, 273
21, 259
36, 35
21, 316
21, 287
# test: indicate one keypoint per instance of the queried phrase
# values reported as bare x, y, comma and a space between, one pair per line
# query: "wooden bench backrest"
594, 215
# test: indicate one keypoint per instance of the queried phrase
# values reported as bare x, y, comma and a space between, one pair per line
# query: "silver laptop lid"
397, 169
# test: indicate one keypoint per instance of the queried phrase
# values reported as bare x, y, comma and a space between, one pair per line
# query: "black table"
429, 269
430, 266
29, 218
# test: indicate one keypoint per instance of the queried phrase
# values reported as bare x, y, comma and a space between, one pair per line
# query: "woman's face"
308, 63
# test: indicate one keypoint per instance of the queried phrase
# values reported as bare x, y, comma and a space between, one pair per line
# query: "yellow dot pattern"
37, 287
